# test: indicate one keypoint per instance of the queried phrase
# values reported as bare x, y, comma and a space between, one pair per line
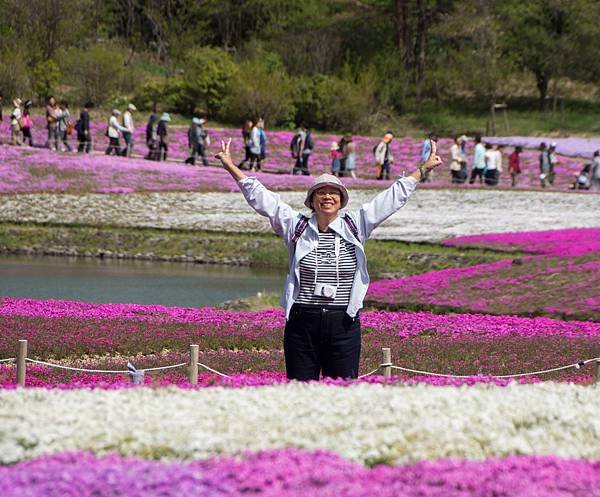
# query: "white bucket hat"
327, 180
132, 107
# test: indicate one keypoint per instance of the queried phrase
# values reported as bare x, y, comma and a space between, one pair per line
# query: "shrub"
95, 71
260, 87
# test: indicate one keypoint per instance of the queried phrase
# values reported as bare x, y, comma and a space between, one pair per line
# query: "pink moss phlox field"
561, 278
562, 243
221, 322
297, 473
26, 170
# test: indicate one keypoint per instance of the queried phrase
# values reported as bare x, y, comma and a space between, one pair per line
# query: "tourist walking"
491, 173
301, 147
52, 123
64, 126
246, 130
544, 164
349, 154
383, 156
336, 155
27, 123
82, 127
152, 137
196, 142
552, 161
254, 143
327, 272
478, 161
113, 133
457, 162
514, 165
263, 139
16, 120
128, 124
596, 171
162, 133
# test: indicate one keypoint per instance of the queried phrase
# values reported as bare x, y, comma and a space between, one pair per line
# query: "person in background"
254, 143
336, 155
583, 180
263, 139
82, 127
196, 142
161, 132
383, 156
544, 164
114, 132
52, 123
426, 150
456, 162
130, 126
478, 161
552, 161
16, 120
342, 148
490, 174
302, 146
596, 171
1, 107
514, 165
64, 126
246, 130
350, 155
152, 137
27, 123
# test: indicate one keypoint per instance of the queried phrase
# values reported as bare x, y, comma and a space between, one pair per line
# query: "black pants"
113, 146
476, 173
321, 340
301, 165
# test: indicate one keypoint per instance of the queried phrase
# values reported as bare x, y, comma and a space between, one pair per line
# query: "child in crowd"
514, 165
336, 156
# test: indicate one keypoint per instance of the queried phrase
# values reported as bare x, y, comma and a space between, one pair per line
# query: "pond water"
126, 281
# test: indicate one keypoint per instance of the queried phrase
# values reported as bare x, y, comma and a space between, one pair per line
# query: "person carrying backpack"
302, 146
327, 278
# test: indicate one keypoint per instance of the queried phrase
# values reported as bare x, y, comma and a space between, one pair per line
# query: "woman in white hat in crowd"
130, 125
16, 117
113, 132
327, 275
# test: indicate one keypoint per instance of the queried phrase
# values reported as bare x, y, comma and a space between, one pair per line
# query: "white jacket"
284, 220
380, 153
128, 121
114, 128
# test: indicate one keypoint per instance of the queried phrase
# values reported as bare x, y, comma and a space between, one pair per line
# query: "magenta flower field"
247, 345
26, 170
562, 278
295, 473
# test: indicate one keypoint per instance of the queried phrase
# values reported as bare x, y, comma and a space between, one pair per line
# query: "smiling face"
327, 200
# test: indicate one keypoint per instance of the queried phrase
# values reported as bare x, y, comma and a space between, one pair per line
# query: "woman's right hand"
434, 160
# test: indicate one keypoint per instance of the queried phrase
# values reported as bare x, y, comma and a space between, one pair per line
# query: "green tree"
46, 77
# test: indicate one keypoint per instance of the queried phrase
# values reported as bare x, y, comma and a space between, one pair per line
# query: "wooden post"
21, 364
596, 372
493, 119
193, 366
386, 361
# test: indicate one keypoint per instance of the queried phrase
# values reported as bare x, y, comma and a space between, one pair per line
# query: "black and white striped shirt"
327, 271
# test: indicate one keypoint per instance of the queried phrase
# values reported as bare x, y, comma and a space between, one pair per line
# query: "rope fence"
384, 369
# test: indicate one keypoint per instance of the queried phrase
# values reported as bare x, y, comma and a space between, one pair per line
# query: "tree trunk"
542, 86
420, 42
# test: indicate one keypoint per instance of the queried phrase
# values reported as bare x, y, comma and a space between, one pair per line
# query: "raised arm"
386, 203
282, 217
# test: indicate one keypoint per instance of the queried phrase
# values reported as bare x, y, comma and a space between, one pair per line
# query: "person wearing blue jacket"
327, 274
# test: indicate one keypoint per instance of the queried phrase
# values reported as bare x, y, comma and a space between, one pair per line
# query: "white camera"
323, 290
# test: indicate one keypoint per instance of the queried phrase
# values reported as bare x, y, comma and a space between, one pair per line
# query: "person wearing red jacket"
514, 165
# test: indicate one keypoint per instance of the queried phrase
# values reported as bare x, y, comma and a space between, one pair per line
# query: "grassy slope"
386, 258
